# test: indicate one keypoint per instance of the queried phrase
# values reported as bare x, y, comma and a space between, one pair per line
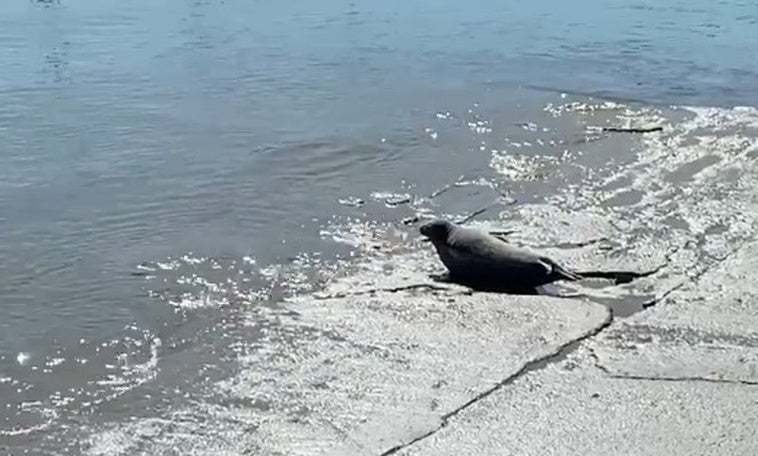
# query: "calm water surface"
188, 144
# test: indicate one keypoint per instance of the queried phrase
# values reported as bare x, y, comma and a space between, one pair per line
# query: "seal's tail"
565, 274
560, 273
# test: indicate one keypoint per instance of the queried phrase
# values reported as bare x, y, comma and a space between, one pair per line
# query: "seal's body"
471, 255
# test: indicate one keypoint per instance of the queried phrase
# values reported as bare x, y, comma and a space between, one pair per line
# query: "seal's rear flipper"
568, 275
558, 272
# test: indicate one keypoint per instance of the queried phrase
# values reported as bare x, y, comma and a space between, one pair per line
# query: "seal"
474, 257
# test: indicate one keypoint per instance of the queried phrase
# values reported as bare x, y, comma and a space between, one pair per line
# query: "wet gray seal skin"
482, 261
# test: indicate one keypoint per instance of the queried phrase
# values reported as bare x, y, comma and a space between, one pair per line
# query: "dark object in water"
632, 130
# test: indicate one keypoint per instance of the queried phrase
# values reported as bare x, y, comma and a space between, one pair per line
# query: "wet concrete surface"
574, 409
390, 363
680, 378
396, 363
707, 330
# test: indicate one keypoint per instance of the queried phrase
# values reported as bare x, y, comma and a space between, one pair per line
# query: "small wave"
41, 415
99, 372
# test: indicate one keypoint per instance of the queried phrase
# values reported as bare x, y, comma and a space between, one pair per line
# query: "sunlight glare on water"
171, 172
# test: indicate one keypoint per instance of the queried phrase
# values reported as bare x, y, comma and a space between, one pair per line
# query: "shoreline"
406, 371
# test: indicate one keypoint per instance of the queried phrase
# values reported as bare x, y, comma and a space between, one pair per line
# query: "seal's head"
437, 230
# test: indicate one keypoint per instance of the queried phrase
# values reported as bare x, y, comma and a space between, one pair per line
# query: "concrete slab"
707, 329
679, 378
573, 408
362, 374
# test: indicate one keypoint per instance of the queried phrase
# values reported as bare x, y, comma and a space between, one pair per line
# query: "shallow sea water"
170, 172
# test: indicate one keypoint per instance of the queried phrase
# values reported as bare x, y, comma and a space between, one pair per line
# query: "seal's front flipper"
491, 285
443, 277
